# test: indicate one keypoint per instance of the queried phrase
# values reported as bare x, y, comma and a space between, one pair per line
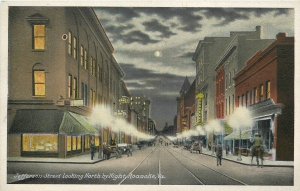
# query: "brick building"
266, 87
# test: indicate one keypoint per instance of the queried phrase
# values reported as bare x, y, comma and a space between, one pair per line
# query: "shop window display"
40, 142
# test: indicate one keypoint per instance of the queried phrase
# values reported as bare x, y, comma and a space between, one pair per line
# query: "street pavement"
159, 165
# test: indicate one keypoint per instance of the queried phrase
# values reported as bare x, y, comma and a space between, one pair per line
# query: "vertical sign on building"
199, 98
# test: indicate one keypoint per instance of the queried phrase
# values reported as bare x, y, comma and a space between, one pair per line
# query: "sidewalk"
79, 159
246, 160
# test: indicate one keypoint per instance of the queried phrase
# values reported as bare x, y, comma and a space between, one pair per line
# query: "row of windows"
255, 95
39, 44
93, 67
229, 105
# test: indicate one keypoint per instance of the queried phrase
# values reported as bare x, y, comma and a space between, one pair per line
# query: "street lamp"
240, 119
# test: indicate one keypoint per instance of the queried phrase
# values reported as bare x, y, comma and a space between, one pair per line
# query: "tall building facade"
205, 57
60, 66
242, 45
266, 86
186, 107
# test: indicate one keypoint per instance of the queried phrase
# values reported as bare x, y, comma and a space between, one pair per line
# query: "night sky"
154, 46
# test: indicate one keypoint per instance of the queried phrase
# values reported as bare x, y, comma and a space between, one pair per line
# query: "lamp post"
239, 153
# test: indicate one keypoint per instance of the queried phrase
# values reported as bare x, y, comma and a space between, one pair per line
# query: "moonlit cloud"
158, 43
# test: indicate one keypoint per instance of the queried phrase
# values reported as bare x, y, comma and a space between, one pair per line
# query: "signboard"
77, 102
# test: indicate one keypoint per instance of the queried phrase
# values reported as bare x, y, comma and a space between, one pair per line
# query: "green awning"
236, 135
89, 129
50, 121
228, 129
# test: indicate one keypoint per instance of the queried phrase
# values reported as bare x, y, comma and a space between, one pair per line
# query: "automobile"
175, 145
187, 145
125, 148
195, 147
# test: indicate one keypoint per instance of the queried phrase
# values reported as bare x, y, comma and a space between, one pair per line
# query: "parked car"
196, 147
125, 148
187, 145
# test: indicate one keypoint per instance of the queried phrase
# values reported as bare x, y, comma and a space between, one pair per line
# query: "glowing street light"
240, 119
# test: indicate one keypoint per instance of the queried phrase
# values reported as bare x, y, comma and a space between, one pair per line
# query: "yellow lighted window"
69, 143
75, 47
78, 142
87, 142
261, 92
40, 142
268, 89
85, 59
39, 37
70, 43
74, 143
39, 83
97, 141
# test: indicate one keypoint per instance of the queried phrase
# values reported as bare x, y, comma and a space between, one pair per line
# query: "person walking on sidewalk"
93, 150
219, 153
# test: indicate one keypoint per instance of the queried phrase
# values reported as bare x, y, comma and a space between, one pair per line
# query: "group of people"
108, 150
256, 150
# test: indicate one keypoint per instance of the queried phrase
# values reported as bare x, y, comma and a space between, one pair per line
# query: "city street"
156, 165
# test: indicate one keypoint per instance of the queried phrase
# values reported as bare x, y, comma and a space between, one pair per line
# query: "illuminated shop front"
52, 133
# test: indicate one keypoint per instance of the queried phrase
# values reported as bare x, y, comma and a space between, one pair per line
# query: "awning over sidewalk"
236, 135
50, 121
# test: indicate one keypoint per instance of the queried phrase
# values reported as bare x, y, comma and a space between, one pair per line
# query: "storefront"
265, 115
51, 133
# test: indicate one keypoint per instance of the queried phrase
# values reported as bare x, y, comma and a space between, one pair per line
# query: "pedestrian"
93, 150
227, 149
219, 154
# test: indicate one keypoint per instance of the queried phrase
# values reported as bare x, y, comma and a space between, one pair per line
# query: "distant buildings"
186, 106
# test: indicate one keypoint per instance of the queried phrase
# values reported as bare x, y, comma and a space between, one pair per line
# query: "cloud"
123, 13
228, 15
155, 26
187, 55
159, 67
138, 37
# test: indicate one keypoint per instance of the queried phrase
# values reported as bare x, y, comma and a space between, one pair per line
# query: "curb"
268, 165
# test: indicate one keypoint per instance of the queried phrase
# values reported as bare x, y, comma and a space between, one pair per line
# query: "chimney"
258, 31
281, 36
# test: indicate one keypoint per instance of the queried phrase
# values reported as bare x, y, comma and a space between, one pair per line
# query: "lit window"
75, 47
85, 59
261, 95
268, 89
74, 144
40, 142
39, 83
78, 142
69, 143
70, 43
39, 37
87, 142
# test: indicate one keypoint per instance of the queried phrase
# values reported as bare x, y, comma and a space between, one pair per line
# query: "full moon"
157, 53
